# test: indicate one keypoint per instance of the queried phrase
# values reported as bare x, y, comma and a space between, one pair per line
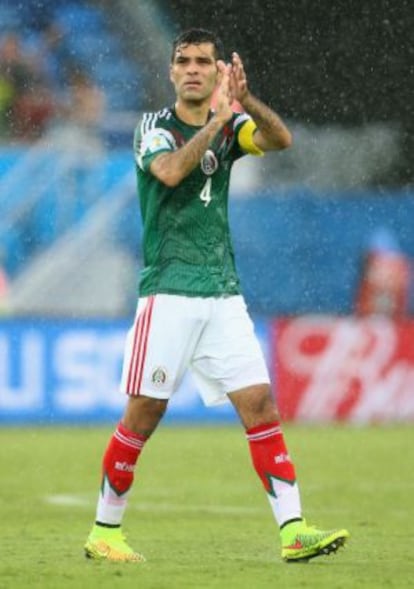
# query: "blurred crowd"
43, 87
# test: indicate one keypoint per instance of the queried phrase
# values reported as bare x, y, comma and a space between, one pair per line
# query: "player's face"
194, 72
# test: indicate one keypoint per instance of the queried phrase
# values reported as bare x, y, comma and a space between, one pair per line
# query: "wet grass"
199, 514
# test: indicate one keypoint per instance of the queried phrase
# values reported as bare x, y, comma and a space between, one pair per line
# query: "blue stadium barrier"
302, 252
68, 371
297, 252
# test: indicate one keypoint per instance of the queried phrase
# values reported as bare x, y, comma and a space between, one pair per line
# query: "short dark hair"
195, 37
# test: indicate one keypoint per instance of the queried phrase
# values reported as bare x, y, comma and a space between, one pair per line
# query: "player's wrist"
246, 99
219, 120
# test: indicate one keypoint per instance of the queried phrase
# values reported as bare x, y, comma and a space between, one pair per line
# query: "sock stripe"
128, 441
263, 435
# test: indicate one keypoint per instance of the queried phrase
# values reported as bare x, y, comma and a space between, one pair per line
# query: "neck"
193, 113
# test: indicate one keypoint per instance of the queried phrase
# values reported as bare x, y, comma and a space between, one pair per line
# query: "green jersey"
187, 247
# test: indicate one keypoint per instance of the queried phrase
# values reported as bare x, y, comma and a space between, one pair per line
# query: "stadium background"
306, 222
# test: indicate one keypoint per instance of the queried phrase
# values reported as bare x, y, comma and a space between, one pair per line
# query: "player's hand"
224, 97
238, 79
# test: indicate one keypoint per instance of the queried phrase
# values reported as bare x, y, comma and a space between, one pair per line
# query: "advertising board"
54, 371
344, 369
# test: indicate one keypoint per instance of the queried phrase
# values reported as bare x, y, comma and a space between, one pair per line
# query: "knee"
154, 407
263, 407
256, 406
143, 414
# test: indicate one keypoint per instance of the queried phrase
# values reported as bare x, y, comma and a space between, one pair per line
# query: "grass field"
199, 514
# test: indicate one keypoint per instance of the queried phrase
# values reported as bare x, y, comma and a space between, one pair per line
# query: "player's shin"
273, 465
118, 467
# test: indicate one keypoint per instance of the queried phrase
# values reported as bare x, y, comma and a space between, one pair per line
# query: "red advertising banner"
344, 369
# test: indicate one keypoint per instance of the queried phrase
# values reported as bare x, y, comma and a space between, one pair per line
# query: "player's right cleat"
301, 542
110, 544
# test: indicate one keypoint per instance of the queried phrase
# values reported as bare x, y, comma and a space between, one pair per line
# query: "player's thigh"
228, 356
160, 344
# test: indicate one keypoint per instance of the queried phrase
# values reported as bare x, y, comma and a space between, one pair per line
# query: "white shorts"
213, 337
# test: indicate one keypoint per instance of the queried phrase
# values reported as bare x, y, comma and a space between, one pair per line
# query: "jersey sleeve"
244, 128
150, 143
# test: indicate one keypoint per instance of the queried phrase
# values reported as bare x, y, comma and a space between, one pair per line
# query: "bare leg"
258, 413
143, 414
255, 405
141, 417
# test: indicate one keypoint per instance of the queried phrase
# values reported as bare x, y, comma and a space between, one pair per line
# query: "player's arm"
171, 168
271, 133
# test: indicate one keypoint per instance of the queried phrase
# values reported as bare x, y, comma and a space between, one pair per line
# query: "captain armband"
245, 138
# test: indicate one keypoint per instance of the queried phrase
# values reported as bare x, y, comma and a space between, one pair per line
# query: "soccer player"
190, 312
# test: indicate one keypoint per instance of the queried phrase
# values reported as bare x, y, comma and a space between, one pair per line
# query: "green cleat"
109, 544
301, 542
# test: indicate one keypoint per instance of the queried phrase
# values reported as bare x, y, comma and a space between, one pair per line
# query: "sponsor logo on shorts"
159, 376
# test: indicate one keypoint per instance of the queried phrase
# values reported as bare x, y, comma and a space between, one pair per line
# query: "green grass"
199, 514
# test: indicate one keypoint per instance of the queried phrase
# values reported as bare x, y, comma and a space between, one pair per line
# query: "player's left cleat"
301, 542
110, 544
